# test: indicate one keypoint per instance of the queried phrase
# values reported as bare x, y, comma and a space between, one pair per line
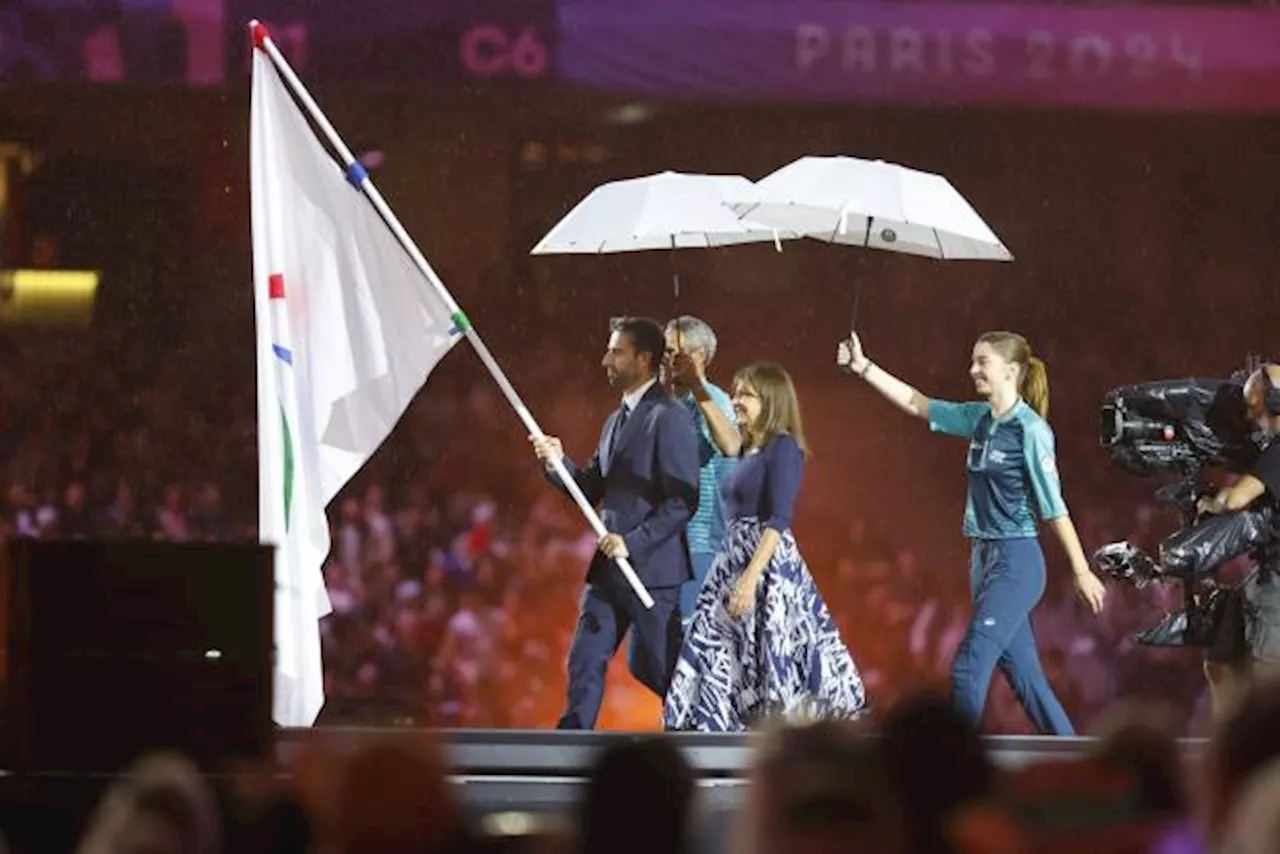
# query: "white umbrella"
872, 203
669, 210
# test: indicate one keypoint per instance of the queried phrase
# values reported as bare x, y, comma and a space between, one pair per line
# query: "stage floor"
543, 771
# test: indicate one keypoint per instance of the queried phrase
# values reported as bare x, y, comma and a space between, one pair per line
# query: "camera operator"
1247, 641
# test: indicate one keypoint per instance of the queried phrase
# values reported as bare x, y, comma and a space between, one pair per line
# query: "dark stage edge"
544, 771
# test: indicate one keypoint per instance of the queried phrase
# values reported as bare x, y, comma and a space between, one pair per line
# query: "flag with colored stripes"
348, 328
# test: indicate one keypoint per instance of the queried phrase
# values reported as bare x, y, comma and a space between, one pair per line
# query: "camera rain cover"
1205, 415
1213, 540
1196, 625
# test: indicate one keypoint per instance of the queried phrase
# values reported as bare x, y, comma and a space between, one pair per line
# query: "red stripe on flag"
275, 286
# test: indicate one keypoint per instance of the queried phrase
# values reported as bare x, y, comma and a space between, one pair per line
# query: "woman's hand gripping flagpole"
359, 178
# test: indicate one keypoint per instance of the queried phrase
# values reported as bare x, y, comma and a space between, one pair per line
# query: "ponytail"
1034, 387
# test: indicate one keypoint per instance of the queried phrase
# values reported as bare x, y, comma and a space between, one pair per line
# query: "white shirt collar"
630, 399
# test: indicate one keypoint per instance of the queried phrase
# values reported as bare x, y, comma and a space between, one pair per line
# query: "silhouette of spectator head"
822, 788
162, 806
639, 799
395, 798
1141, 737
1246, 739
936, 762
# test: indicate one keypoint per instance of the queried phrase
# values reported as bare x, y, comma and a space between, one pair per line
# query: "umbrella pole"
675, 268
857, 282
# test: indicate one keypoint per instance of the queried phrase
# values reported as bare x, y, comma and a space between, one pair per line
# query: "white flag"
348, 328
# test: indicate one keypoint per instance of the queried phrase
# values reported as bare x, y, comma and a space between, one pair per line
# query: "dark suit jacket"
645, 488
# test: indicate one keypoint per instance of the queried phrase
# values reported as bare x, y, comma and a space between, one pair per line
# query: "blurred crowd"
916, 782
455, 571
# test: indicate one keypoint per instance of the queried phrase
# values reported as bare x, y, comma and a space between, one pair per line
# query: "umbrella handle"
857, 293
675, 268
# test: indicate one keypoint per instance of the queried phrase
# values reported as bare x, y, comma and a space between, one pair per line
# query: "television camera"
1181, 428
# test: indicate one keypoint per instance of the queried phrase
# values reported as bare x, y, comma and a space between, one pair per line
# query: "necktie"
618, 424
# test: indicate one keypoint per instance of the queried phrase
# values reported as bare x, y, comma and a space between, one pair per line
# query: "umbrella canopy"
872, 203
669, 210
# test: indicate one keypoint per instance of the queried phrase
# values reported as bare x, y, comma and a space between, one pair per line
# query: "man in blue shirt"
691, 345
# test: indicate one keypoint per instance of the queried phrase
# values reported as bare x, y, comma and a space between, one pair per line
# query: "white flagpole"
357, 175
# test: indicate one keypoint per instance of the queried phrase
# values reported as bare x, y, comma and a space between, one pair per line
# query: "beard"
622, 379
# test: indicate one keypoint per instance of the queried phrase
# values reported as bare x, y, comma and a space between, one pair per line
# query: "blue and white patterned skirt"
783, 657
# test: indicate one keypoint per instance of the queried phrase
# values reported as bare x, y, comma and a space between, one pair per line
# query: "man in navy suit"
644, 479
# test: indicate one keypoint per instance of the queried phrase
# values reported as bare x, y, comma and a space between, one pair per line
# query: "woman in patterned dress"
761, 641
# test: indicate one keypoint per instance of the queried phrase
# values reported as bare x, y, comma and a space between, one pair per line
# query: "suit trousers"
608, 611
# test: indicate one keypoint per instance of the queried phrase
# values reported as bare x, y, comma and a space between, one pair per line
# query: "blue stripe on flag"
282, 354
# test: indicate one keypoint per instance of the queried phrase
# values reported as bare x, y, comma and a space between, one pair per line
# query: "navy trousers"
1006, 580
609, 609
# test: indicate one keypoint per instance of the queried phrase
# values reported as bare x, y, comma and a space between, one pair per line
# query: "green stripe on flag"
288, 467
